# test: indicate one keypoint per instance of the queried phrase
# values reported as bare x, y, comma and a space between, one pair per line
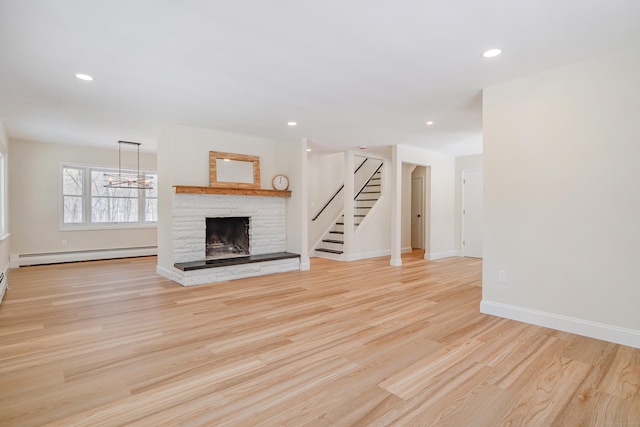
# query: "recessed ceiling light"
86, 77
308, 149
292, 124
429, 123
492, 53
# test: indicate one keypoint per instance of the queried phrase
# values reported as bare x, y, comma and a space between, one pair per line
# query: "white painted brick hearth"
267, 234
232, 272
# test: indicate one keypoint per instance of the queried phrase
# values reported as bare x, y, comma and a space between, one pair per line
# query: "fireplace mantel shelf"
185, 189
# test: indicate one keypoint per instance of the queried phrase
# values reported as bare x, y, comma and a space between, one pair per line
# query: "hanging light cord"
120, 159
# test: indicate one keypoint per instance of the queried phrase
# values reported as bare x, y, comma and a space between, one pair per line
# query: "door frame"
462, 216
422, 233
405, 191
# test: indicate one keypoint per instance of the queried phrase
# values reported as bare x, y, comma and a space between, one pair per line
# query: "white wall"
562, 196
440, 201
183, 159
34, 194
293, 162
462, 163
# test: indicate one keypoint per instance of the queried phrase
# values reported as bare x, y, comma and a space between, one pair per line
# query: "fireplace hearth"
227, 237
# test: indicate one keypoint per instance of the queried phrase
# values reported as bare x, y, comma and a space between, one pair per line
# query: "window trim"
4, 211
87, 225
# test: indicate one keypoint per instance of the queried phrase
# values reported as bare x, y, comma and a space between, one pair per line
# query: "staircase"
333, 241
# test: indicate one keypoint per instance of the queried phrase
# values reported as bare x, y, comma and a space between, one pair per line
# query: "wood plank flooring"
111, 343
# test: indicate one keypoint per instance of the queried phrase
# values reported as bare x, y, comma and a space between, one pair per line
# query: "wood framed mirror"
228, 170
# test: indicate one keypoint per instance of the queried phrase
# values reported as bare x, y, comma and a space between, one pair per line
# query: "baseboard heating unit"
3, 285
20, 260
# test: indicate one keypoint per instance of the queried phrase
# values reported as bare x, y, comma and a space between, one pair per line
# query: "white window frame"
4, 232
86, 224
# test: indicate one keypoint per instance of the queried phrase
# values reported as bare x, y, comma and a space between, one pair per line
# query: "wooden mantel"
185, 189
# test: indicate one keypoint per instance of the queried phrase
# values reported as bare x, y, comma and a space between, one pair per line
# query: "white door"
472, 213
417, 215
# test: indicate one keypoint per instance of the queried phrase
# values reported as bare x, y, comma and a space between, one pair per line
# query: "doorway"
413, 231
415, 207
417, 212
472, 213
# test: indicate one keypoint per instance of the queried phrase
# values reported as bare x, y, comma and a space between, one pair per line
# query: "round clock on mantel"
280, 182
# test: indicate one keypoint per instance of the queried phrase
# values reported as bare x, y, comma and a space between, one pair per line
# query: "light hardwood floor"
359, 343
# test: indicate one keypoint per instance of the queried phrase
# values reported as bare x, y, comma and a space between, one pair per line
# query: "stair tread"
333, 241
331, 251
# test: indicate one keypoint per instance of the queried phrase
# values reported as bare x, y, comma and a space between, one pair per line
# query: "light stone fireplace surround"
267, 234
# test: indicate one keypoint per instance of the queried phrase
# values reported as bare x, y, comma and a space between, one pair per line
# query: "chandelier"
127, 180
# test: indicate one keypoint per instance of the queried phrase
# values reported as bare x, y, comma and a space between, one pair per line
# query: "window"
72, 186
86, 202
3, 198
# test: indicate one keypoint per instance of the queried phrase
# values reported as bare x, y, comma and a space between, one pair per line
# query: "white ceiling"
350, 72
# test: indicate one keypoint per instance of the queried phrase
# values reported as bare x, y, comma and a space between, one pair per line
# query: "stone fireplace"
263, 218
226, 237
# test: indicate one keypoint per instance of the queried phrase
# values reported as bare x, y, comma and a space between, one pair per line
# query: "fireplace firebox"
227, 237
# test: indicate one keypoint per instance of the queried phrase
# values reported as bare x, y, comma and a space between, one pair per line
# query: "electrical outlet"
502, 276
64, 243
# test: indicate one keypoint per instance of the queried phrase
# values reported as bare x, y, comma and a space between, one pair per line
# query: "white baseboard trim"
14, 261
395, 262
19, 260
4, 283
365, 255
304, 266
164, 272
440, 255
406, 250
601, 331
327, 255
